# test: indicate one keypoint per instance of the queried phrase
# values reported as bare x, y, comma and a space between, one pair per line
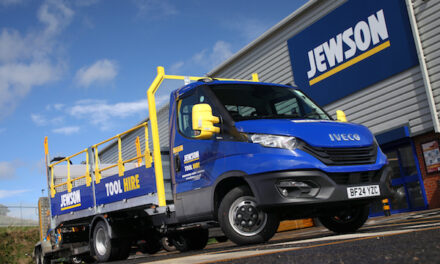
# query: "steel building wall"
397, 101
427, 14
269, 55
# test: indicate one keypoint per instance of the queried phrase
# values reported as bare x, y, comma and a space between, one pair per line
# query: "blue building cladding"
358, 44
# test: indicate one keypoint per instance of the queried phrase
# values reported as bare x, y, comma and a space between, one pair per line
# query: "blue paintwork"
86, 201
399, 56
393, 135
147, 184
219, 156
315, 133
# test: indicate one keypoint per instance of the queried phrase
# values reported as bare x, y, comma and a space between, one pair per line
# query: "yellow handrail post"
120, 162
155, 133
138, 151
88, 178
97, 173
255, 77
52, 188
69, 181
147, 149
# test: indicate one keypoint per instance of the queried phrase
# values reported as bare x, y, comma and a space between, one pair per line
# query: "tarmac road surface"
403, 238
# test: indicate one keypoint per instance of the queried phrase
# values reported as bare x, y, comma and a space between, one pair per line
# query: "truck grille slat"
343, 156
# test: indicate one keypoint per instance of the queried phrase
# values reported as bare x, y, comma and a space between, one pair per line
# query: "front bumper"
324, 187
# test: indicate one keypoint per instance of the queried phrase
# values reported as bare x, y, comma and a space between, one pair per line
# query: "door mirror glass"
203, 121
340, 115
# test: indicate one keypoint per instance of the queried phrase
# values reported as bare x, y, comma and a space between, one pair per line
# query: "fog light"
292, 189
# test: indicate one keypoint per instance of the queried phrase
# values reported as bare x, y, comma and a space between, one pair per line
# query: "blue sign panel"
356, 45
78, 199
135, 182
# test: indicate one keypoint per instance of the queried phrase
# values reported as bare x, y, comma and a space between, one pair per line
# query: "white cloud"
99, 112
9, 193
210, 58
11, 2
100, 72
57, 107
176, 67
103, 114
155, 8
85, 2
16, 81
31, 59
7, 169
55, 15
248, 28
66, 130
41, 120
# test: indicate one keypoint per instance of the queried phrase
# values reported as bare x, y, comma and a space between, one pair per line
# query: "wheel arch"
224, 184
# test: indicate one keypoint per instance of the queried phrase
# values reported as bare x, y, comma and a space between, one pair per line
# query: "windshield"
248, 101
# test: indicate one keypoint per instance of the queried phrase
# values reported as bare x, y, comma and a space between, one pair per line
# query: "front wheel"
241, 220
346, 221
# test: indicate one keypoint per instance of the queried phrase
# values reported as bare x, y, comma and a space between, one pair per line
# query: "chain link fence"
18, 215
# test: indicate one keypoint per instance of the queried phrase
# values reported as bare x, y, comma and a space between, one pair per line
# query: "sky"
78, 71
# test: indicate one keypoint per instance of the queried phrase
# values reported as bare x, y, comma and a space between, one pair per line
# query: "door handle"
177, 163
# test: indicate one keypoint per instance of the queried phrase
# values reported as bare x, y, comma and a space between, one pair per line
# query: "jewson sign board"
356, 45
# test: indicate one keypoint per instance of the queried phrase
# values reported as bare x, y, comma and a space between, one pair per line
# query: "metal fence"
18, 215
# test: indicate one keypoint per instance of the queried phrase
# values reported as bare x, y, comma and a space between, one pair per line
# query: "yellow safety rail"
160, 77
98, 171
121, 162
69, 180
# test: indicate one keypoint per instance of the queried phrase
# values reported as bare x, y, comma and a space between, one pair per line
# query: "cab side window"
184, 111
184, 115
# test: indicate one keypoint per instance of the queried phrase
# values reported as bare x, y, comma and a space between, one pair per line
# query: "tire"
221, 239
261, 226
39, 258
167, 245
190, 240
107, 249
151, 246
346, 221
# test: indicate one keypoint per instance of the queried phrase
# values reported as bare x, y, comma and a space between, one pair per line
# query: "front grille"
356, 177
343, 156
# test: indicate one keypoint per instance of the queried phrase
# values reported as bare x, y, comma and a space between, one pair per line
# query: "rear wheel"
167, 245
150, 246
346, 221
107, 249
242, 221
195, 239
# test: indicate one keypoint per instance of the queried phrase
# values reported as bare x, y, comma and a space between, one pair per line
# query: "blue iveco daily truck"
242, 155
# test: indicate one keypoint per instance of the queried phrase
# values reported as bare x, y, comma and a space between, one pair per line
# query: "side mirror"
340, 115
203, 121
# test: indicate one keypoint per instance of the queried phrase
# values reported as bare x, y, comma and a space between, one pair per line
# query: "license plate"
363, 191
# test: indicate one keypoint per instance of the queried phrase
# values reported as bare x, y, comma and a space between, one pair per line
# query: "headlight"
274, 141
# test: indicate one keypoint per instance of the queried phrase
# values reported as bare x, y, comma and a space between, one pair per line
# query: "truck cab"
268, 153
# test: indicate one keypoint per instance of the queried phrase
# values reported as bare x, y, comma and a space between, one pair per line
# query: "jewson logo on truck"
340, 50
70, 200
